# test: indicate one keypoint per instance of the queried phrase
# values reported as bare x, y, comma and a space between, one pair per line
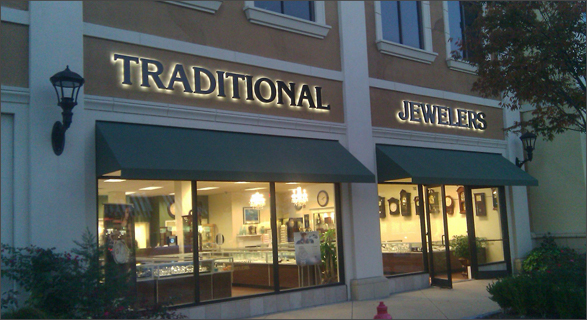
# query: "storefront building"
297, 153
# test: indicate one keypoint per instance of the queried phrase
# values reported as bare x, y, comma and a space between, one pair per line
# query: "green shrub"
551, 286
71, 285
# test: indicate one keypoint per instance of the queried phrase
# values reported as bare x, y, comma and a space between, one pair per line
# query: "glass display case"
400, 247
150, 269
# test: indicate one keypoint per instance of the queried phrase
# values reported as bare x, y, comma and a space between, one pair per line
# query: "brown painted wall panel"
227, 29
15, 55
104, 78
20, 5
436, 76
386, 104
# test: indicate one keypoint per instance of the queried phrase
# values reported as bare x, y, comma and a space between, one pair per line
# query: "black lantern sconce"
67, 85
529, 141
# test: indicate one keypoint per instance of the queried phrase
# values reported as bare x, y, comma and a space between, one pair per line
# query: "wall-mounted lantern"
529, 141
67, 85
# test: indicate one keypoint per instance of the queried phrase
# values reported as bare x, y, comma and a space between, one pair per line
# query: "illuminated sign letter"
306, 94
319, 99
403, 115
178, 70
429, 113
220, 83
481, 118
281, 87
271, 90
235, 78
153, 74
198, 80
414, 111
126, 66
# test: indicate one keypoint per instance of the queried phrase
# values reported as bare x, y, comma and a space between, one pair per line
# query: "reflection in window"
401, 236
307, 242
298, 9
401, 22
146, 227
460, 18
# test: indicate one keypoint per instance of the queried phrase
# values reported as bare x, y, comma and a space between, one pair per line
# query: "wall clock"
450, 205
322, 198
417, 202
171, 210
393, 206
461, 193
381, 207
405, 205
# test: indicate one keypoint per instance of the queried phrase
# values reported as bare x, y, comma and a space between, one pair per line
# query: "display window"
400, 215
307, 234
245, 237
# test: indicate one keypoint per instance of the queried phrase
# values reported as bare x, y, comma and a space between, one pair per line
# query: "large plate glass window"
234, 233
307, 230
401, 22
146, 228
401, 229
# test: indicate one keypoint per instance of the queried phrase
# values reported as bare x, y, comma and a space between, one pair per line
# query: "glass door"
438, 244
489, 242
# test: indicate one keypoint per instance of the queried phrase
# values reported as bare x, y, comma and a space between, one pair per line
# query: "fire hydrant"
382, 312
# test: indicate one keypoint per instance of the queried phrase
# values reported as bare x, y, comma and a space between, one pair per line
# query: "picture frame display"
250, 215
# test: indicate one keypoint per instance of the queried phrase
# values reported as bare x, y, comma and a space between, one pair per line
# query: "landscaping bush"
71, 285
552, 284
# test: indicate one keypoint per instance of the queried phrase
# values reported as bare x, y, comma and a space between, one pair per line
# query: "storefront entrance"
462, 207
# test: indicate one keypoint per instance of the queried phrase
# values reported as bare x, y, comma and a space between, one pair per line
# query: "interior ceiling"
168, 187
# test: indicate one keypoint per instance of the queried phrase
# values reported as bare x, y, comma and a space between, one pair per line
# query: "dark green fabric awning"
436, 166
169, 153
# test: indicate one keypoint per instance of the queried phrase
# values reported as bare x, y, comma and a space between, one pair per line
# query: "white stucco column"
57, 183
367, 280
518, 209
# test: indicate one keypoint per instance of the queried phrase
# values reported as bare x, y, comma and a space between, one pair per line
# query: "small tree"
531, 52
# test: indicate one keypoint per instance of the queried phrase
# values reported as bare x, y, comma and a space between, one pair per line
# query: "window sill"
461, 66
406, 52
205, 6
284, 22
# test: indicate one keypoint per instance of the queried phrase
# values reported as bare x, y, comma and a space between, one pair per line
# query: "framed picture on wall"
307, 221
480, 208
250, 215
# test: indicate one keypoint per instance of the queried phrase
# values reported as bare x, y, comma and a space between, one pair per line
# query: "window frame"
425, 55
316, 29
204, 6
456, 65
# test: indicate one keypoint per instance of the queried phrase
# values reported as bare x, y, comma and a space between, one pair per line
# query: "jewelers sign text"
416, 112
201, 81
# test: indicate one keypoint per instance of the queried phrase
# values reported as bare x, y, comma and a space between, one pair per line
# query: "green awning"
436, 166
169, 153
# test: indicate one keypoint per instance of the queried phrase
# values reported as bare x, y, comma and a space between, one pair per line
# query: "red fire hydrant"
382, 312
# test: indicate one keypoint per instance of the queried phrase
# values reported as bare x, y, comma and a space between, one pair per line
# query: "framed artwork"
381, 207
307, 221
393, 206
480, 208
250, 215
405, 205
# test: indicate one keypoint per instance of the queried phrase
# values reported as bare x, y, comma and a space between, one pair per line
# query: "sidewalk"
467, 299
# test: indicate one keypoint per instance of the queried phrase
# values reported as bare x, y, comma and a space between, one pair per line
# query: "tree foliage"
534, 53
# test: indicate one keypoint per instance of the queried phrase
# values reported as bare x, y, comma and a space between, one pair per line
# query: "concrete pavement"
467, 299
